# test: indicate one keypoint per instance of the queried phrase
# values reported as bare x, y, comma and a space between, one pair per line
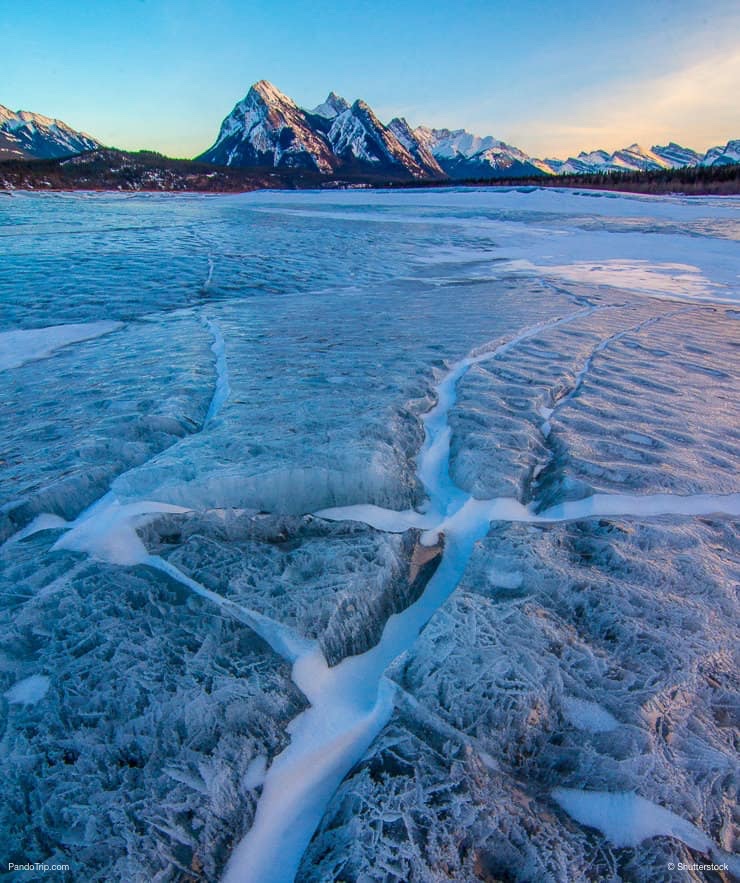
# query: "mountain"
358, 138
454, 143
267, 128
464, 155
25, 135
678, 157
636, 158
416, 147
346, 142
332, 107
107, 169
723, 156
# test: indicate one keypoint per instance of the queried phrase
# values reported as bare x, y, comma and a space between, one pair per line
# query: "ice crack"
222, 390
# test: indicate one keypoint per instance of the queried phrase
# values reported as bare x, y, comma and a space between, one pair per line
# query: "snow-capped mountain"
25, 135
637, 158
267, 128
464, 155
454, 143
415, 146
723, 156
358, 137
332, 107
677, 156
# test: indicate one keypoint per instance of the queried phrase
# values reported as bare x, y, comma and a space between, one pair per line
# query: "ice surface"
95, 409
221, 524
222, 389
591, 615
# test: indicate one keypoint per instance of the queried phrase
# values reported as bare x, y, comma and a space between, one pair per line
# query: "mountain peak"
38, 119
270, 94
402, 130
267, 128
357, 135
332, 107
418, 150
455, 144
359, 104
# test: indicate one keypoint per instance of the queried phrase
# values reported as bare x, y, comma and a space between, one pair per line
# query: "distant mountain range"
267, 129
25, 135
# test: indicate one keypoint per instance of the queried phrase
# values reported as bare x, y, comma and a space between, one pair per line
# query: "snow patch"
588, 716
108, 532
627, 819
255, 774
33, 344
29, 691
44, 521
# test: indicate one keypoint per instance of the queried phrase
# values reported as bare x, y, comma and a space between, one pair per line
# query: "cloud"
695, 105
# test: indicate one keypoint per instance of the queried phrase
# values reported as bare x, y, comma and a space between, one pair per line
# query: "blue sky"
551, 78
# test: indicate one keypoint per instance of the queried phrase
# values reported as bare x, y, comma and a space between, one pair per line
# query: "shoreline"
113, 171
426, 186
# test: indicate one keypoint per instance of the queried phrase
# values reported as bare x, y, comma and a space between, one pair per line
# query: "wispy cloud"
695, 105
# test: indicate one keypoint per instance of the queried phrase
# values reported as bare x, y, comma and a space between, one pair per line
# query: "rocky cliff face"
267, 128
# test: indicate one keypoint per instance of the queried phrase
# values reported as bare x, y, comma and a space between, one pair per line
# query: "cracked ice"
393, 544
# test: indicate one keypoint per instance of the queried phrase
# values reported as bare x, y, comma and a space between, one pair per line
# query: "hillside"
108, 169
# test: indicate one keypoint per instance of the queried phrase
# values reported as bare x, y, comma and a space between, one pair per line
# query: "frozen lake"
369, 535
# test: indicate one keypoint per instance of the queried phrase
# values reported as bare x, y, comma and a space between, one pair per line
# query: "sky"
550, 78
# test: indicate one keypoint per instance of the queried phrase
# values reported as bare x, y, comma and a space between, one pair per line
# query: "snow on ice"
29, 691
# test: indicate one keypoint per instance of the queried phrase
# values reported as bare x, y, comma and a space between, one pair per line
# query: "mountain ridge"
336, 139
338, 135
26, 135
267, 128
